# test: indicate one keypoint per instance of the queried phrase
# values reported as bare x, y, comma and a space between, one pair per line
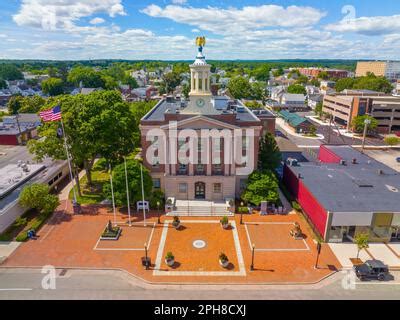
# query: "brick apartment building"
344, 107
332, 73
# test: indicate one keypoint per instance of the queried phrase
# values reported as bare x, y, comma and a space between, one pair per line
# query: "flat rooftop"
13, 175
171, 106
367, 186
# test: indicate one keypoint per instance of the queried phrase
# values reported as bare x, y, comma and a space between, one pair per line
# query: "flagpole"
144, 209
69, 162
127, 193
112, 196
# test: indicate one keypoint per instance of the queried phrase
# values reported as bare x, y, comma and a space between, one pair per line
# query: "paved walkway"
7, 248
345, 251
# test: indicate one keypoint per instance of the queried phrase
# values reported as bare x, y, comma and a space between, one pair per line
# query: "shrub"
224, 220
169, 256
296, 206
223, 257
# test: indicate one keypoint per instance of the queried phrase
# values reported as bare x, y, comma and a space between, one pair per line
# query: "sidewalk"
7, 248
64, 194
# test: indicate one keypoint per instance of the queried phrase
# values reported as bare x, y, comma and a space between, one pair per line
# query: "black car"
372, 269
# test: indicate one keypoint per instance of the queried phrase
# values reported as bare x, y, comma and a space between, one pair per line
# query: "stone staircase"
200, 209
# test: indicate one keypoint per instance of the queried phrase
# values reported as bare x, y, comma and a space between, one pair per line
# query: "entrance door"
200, 190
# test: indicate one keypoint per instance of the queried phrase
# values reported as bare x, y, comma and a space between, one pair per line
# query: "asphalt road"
90, 284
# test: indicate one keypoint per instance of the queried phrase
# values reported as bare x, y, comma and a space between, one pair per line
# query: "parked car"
372, 269
398, 159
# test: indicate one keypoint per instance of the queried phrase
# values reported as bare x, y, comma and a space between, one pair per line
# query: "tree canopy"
20, 104
261, 186
368, 82
10, 72
297, 89
134, 183
37, 196
87, 76
98, 124
239, 87
269, 156
53, 86
358, 123
3, 84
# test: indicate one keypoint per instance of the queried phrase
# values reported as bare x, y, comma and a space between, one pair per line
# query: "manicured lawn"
93, 194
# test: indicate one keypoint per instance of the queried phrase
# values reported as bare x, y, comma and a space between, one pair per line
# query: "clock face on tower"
200, 103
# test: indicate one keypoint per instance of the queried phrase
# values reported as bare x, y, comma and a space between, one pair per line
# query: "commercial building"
213, 178
17, 169
347, 193
299, 124
344, 107
388, 69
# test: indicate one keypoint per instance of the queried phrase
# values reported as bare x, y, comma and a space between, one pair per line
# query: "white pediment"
202, 122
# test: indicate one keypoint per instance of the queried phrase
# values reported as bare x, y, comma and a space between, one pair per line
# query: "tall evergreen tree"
269, 153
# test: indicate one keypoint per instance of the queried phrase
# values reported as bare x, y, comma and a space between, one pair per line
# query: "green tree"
297, 89
358, 123
323, 75
257, 91
261, 186
361, 240
278, 72
32, 104
10, 72
131, 82
3, 84
171, 81
134, 183
186, 90
97, 125
14, 104
315, 82
37, 196
262, 73
303, 80
253, 105
392, 141
239, 87
345, 83
109, 82
269, 156
53, 86
318, 109
87, 76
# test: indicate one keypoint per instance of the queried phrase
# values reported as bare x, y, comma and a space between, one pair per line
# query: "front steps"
200, 209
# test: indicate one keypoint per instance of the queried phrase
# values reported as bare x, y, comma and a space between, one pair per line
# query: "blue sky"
165, 29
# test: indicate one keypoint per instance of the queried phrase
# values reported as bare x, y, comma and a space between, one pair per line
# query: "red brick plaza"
73, 241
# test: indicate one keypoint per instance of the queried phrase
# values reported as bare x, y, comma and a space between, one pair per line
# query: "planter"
226, 226
170, 262
224, 263
176, 226
111, 236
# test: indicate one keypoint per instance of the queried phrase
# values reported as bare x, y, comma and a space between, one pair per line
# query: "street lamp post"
318, 252
252, 257
158, 212
367, 122
241, 212
146, 259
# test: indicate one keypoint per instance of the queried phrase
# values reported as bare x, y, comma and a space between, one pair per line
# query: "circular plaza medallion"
199, 244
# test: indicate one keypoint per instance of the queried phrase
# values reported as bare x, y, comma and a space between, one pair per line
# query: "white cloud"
233, 20
195, 30
373, 26
179, 1
97, 21
63, 14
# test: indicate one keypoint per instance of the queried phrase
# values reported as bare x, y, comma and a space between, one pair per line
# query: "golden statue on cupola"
201, 41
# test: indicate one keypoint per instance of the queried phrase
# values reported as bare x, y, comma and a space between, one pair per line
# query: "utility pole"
330, 128
367, 122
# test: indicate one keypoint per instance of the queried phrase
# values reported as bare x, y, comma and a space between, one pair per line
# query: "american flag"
51, 115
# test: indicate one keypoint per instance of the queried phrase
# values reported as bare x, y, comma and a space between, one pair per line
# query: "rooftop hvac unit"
292, 162
343, 162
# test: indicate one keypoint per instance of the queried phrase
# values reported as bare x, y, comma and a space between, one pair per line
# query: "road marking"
16, 289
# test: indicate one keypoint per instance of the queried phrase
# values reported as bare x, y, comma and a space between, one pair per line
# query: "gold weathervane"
201, 41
